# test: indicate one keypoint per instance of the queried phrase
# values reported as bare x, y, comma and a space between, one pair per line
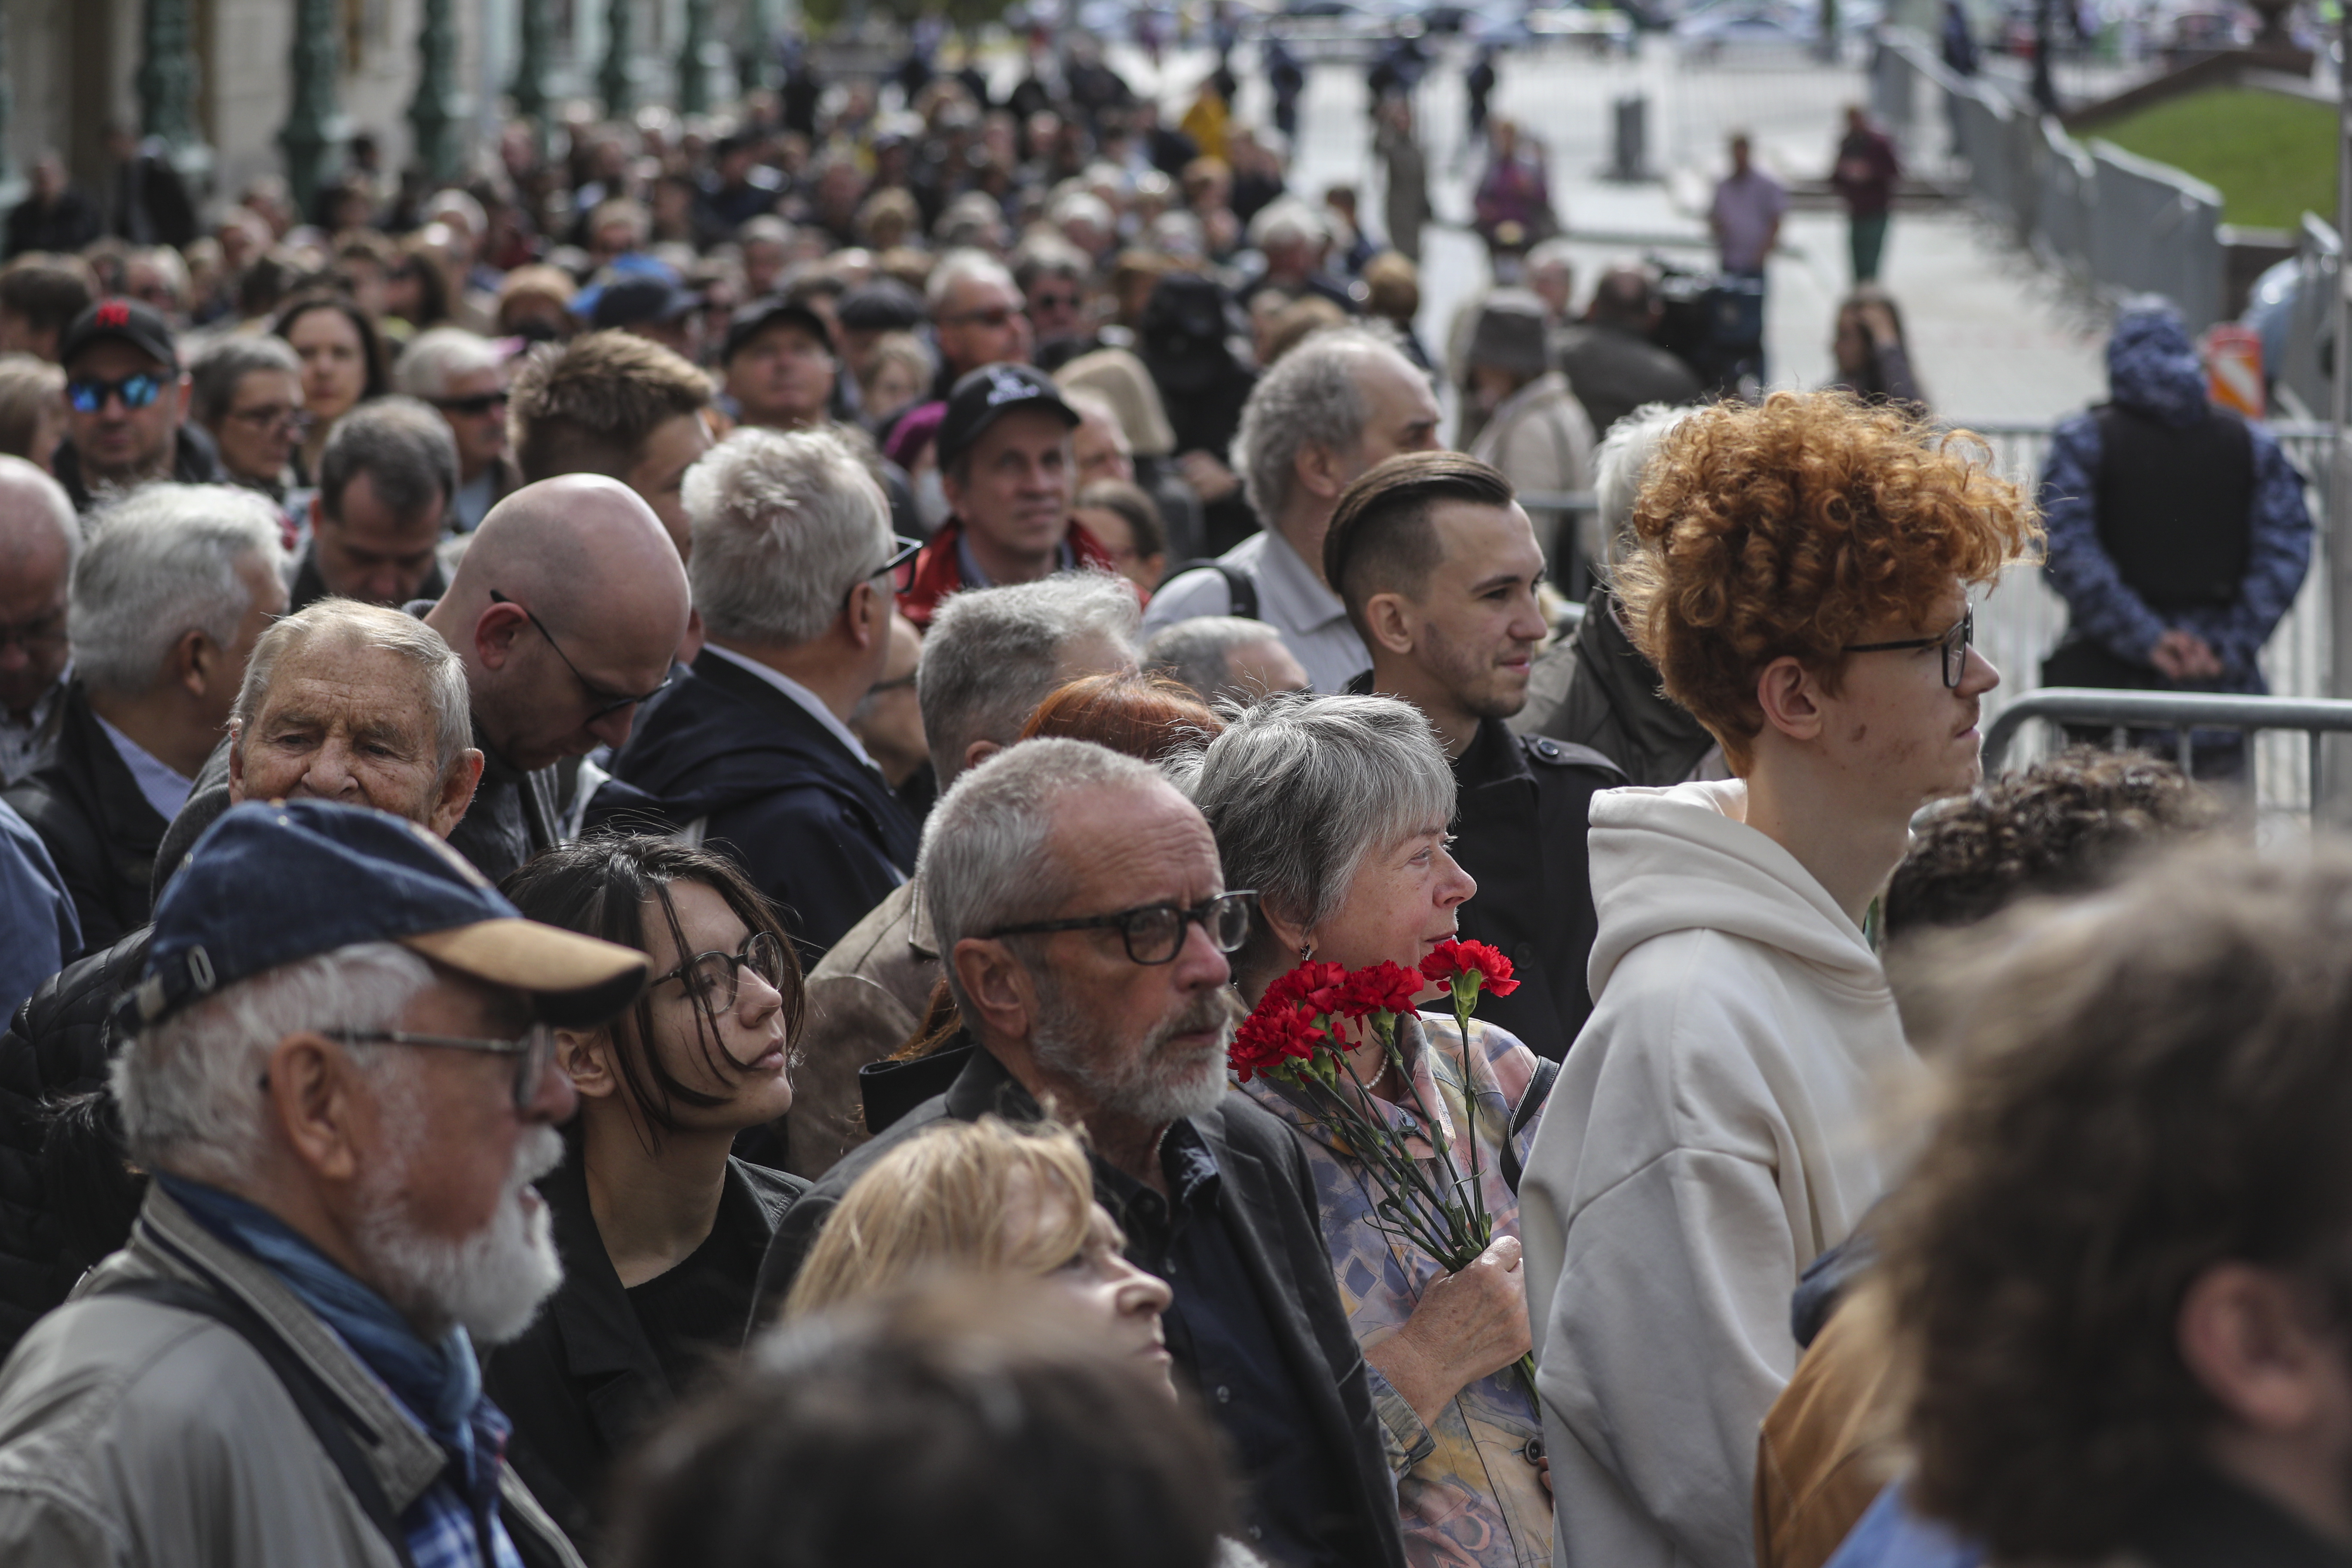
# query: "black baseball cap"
274, 882
757, 317
988, 394
121, 320
885, 305
632, 301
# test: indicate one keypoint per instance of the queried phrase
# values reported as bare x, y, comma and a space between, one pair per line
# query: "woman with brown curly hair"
1800, 579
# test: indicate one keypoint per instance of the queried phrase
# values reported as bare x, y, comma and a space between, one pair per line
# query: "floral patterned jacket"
1467, 1487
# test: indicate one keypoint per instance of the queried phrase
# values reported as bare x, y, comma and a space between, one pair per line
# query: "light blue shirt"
39, 931
165, 787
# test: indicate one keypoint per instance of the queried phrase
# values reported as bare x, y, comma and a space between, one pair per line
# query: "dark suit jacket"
1267, 1201
98, 827
819, 832
584, 1381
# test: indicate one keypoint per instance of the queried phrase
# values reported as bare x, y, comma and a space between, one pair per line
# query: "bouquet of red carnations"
1305, 1033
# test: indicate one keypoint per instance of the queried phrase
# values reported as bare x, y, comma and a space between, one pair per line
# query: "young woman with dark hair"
660, 1227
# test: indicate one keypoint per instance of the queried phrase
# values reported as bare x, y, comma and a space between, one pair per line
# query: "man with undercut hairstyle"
617, 405
1438, 564
1799, 577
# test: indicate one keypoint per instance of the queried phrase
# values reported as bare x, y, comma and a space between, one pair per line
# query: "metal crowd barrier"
2182, 712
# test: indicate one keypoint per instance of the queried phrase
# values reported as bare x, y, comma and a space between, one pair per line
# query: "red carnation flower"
1270, 1040
1450, 959
1384, 987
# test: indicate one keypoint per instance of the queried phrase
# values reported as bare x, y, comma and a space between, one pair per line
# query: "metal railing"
2117, 223
2183, 713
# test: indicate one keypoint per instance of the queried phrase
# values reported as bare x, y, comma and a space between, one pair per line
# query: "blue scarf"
440, 1384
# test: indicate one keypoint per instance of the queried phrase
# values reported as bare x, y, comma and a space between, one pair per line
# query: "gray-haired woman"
1335, 808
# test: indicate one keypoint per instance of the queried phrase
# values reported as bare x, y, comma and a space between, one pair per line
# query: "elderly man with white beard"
1083, 924
341, 1075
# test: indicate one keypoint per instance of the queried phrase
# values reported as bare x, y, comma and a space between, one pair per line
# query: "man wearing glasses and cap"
753, 755
126, 407
1083, 926
341, 1078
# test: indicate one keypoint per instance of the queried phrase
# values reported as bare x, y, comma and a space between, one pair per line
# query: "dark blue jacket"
818, 830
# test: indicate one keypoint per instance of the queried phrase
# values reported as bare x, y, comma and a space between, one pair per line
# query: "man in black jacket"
1438, 566
167, 601
1084, 924
126, 407
753, 754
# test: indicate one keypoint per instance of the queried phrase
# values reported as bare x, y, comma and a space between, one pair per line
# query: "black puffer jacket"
65, 1197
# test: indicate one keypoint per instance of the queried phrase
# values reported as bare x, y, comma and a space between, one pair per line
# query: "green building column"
315, 129
617, 78
437, 114
7, 106
538, 46
693, 71
166, 82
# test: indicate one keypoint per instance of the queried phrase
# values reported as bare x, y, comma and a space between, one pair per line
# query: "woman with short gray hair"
1335, 809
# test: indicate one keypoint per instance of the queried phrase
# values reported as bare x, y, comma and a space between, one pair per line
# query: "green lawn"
2272, 156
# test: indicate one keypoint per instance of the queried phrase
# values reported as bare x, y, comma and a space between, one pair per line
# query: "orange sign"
2233, 368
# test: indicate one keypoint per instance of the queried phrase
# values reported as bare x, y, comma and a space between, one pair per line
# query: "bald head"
38, 540
590, 604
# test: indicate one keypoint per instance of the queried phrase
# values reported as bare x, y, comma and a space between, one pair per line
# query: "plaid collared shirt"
445, 1522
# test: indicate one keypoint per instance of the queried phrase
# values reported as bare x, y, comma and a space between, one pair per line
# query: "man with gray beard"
341, 1076
1083, 925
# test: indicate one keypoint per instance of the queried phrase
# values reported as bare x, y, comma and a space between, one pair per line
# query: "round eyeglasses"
711, 978
1154, 934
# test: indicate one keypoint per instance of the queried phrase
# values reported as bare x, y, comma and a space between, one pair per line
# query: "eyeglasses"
1155, 933
89, 395
712, 978
1955, 645
484, 403
1053, 302
533, 1053
601, 700
995, 319
272, 416
35, 637
903, 550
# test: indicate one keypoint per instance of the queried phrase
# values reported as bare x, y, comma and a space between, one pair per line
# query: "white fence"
2116, 223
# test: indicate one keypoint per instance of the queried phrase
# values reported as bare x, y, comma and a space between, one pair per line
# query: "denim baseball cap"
274, 882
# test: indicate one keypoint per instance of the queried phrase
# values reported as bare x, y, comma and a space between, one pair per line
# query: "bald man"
566, 610
38, 539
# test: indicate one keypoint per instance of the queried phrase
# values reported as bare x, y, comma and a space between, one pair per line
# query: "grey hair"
161, 562
437, 356
49, 498
213, 378
784, 525
1617, 468
1301, 788
1199, 652
1291, 220
185, 1085
438, 669
993, 654
402, 445
987, 860
955, 266
1312, 397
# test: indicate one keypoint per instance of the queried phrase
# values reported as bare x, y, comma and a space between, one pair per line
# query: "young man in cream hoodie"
1801, 581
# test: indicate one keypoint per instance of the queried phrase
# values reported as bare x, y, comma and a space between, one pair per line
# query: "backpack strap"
330, 1420
1241, 588
1538, 1088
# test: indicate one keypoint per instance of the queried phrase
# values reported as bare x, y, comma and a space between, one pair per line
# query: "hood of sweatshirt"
2153, 368
1684, 859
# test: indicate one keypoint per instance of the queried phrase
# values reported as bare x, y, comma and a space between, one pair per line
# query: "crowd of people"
644, 800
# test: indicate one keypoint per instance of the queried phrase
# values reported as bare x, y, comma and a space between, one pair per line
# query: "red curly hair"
1785, 529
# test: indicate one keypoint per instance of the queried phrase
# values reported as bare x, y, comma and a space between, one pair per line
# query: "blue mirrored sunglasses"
89, 394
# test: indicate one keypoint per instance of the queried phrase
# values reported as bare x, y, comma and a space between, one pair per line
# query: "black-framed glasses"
272, 416
533, 1053
601, 700
713, 978
478, 405
1154, 934
1955, 645
89, 393
902, 549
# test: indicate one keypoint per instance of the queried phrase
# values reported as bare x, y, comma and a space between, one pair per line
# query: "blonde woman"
986, 1197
